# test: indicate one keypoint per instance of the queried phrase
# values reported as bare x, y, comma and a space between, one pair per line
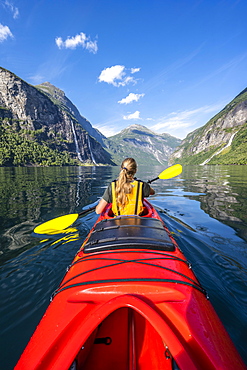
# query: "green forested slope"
236, 153
16, 149
206, 141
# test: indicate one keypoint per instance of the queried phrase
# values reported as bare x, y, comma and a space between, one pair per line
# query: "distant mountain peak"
144, 145
138, 128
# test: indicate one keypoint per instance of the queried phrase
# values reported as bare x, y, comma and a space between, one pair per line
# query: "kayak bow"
130, 301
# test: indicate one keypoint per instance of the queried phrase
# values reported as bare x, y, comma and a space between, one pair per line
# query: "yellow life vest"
134, 204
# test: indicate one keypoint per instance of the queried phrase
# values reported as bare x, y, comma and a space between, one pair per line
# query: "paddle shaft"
86, 210
149, 181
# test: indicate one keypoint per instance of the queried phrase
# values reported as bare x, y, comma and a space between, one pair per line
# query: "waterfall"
89, 147
219, 151
76, 142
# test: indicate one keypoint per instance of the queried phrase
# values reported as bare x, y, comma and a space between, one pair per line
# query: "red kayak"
130, 301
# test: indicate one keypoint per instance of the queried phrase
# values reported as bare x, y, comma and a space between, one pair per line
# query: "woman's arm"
101, 205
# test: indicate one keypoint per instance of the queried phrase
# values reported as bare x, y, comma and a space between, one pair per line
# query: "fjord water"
205, 208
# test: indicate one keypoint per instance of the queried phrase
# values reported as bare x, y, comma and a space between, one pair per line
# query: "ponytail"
123, 183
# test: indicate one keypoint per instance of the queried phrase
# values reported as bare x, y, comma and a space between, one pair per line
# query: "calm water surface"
205, 208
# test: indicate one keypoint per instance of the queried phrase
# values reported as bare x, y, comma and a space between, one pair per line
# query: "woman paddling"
126, 193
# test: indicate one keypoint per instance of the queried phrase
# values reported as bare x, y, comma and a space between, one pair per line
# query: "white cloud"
135, 115
116, 76
126, 81
79, 40
37, 79
134, 70
92, 46
175, 120
13, 9
111, 74
108, 129
181, 123
59, 42
5, 33
130, 98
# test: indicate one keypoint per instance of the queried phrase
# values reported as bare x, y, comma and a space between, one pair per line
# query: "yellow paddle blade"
171, 172
59, 223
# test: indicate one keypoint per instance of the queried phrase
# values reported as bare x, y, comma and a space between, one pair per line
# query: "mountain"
59, 98
141, 143
223, 140
40, 126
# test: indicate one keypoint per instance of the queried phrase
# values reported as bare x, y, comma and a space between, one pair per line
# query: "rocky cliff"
34, 115
143, 144
221, 140
59, 98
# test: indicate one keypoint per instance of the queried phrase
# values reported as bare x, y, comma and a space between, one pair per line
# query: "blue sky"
169, 65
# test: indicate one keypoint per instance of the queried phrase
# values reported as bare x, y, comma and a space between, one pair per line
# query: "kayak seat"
129, 232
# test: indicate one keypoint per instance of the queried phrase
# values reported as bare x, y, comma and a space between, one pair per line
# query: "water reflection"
198, 207
220, 190
34, 195
19, 235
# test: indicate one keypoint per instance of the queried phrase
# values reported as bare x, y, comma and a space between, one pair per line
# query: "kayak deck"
129, 232
130, 300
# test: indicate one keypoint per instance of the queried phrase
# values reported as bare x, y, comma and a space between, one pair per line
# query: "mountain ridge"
59, 96
222, 140
146, 146
39, 125
31, 118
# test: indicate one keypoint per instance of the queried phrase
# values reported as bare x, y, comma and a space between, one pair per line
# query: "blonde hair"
123, 183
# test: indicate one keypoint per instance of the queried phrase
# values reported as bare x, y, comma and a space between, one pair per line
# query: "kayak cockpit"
124, 232
124, 340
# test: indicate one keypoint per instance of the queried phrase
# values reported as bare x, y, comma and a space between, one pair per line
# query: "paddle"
62, 222
169, 173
